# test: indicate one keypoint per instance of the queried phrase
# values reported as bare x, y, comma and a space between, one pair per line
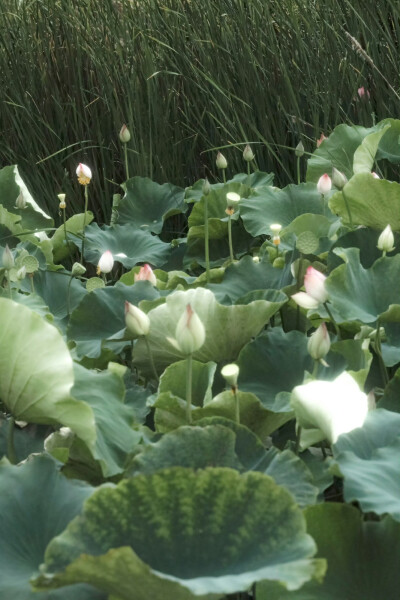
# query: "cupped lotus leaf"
337, 151
147, 204
36, 372
100, 315
228, 328
359, 294
216, 203
367, 460
174, 380
36, 504
128, 245
312, 233
255, 180
372, 202
362, 556
74, 226
211, 531
273, 205
364, 156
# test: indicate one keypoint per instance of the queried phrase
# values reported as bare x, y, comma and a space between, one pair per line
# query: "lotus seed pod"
230, 373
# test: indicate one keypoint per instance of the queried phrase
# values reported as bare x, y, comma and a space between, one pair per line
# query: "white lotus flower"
319, 343
326, 409
304, 300
84, 174
136, 321
146, 274
190, 333
386, 240
106, 263
324, 184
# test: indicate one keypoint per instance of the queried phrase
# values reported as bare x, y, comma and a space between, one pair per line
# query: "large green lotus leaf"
27, 440
364, 156
228, 328
216, 203
211, 531
272, 365
10, 224
147, 204
391, 396
389, 148
104, 392
372, 202
337, 151
362, 556
359, 294
100, 315
74, 226
174, 380
32, 301
257, 179
36, 372
245, 276
11, 185
367, 458
36, 504
272, 205
366, 240
128, 244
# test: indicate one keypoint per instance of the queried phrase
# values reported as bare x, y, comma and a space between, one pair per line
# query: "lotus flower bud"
206, 187
21, 273
299, 151
77, 269
190, 333
319, 343
314, 282
375, 175
321, 139
146, 274
84, 174
386, 240
106, 263
8, 259
124, 134
232, 199
324, 184
248, 153
230, 373
137, 322
305, 301
20, 201
339, 180
221, 161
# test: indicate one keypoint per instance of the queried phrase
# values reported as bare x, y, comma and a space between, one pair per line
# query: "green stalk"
84, 222
151, 359
9, 284
348, 209
206, 240
296, 448
126, 161
237, 404
32, 284
189, 389
224, 175
68, 296
65, 231
332, 319
315, 369
298, 170
378, 350
230, 237
12, 457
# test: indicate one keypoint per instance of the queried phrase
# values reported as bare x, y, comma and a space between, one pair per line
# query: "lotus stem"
230, 237
333, 320
84, 222
298, 171
189, 372
224, 175
298, 435
315, 369
11, 454
68, 295
151, 359
206, 240
237, 404
126, 161
378, 350
65, 230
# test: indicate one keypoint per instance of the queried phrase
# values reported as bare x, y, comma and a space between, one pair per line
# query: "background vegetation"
186, 77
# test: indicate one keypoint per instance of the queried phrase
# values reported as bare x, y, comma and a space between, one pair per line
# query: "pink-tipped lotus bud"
84, 174
136, 321
319, 343
7, 259
248, 153
321, 139
230, 373
124, 134
386, 240
363, 93
339, 180
190, 333
375, 175
106, 263
146, 274
324, 184
221, 161
299, 151
206, 187
314, 282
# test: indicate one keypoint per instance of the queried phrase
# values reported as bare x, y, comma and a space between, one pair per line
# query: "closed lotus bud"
20, 202
190, 333
305, 301
375, 175
206, 187
248, 153
136, 321
21, 273
124, 134
299, 151
314, 282
324, 184
319, 343
230, 373
146, 274
221, 161
77, 269
8, 259
106, 263
84, 174
386, 240
232, 199
339, 180
321, 139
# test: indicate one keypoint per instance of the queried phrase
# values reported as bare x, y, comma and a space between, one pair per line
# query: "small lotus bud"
275, 228
375, 175
230, 373
314, 282
299, 151
106, 263
363, 93
137, 322
319, 343
146, 274
339, 180
221, 161
206, 187
256, 259
77, 269
20, 201
324, 184
84, 174
21, 273
124, 134
8, 259
190, 333
386, 240
248, 154
232, 199
321, 139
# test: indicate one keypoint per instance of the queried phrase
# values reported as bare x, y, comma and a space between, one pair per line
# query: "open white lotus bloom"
326, 409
